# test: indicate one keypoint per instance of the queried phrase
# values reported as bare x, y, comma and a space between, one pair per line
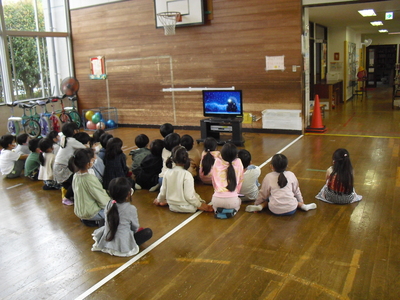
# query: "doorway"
381, 60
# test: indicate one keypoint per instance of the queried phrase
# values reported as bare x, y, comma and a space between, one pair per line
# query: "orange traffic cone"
316, 119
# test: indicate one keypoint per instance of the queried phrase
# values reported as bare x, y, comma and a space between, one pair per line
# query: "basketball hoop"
168, 20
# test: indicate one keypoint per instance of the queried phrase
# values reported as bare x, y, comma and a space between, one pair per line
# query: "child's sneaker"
154, 188
253, 208
225, 213
137, 187
66, 201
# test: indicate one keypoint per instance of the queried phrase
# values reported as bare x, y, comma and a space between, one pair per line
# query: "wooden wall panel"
228, 51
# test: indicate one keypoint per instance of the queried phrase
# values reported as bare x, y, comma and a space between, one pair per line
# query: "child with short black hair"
280, 191
122, 234
115, 162
166, 129
250, 183
46, 158
22, 144
150, 167
103, 142
141, 141
208, 156
194, 155
32, 162
11, 163
178, 185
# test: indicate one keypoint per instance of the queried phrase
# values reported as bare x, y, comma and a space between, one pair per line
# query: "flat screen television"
223, 103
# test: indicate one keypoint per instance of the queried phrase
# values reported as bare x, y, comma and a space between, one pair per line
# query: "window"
35, 52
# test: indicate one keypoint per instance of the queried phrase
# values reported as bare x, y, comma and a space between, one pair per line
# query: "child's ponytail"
229, 154
113, 221
168, 162
280, 163
210, 144
119, 189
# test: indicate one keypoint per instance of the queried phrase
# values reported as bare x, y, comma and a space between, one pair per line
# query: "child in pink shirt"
280, 191
227, 178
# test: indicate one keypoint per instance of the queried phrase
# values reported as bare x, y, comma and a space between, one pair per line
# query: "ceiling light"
367, 12
383, 30
376, 23
397, 32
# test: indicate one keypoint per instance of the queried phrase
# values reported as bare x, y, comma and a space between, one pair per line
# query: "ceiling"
347, 15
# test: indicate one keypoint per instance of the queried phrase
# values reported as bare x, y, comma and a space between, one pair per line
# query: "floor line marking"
354, 135
280, 151
137, 257
158, 242
348, 121
316, 170
11, 187
348, 283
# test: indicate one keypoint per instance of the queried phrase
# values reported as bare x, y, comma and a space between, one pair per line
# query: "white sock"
252, 208
307, 207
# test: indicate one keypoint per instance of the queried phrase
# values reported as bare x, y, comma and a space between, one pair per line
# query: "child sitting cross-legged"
32, 162
249, 190
142, 142
90, 197
177, 189
150, 167
280, 191
122, 234
11, 163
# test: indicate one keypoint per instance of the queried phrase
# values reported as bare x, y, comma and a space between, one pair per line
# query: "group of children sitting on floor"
94, 177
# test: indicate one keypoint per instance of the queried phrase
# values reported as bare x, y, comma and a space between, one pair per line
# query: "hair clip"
345, 154
113, 201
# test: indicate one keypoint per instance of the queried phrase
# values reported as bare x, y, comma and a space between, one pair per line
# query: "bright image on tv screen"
222, 102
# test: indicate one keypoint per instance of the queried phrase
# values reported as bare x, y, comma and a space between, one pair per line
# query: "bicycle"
55, 123
13, 123
63, 116
43, 117
73, 112
31, 126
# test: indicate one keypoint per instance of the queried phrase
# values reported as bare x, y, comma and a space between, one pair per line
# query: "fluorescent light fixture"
397, 32
383, 30
376, 23
389, 15
367, 12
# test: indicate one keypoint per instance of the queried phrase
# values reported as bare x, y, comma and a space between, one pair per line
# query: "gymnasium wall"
228, 50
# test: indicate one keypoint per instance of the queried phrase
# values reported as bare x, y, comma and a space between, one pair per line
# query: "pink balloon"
90, 125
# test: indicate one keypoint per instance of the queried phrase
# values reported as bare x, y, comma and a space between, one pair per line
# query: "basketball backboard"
192, 11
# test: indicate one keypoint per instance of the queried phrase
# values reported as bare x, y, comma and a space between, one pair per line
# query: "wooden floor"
333, 252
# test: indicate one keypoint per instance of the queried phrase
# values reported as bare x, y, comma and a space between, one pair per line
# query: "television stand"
216, 127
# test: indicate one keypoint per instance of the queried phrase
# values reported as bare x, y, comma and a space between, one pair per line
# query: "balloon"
90, 125
111, 124
89, 114
96, 118
101, 125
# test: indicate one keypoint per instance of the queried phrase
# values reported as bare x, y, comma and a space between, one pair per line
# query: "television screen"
222, 103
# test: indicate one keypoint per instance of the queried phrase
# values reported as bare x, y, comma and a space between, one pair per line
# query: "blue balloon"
111, 124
